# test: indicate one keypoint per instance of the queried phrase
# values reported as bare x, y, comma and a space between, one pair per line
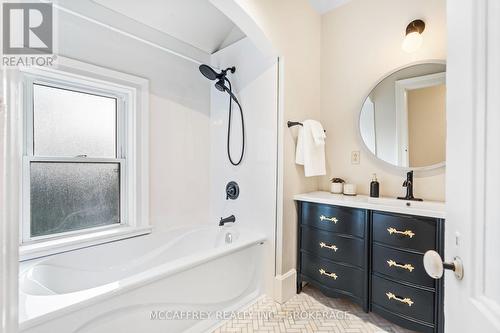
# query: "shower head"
212, 75
208, 72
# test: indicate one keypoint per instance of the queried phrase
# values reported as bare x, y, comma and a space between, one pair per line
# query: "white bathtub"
120, 286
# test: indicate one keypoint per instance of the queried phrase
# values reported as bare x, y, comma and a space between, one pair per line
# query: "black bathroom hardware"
408, 183
229, 219
295, 123
221, 79
232, 190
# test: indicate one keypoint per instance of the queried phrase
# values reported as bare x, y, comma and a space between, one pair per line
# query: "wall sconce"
413, 39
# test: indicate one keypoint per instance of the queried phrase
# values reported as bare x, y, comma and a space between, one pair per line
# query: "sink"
424, 205
435, 209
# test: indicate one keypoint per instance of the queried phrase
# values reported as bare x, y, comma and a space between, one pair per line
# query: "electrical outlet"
355, 157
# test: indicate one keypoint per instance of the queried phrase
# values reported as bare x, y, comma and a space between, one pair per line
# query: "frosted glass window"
73, 196
68, 123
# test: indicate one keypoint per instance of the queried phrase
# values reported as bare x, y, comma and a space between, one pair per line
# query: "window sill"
54, 246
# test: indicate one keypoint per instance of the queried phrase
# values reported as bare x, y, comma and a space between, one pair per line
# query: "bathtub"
176, 281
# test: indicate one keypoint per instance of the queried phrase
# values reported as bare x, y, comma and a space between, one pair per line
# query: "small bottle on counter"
374, 187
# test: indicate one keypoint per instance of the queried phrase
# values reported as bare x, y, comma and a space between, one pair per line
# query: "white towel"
310, 151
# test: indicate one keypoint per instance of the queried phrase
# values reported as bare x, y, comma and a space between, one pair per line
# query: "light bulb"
412, 42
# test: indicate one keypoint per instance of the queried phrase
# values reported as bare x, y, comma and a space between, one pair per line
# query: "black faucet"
229, 219
408, 183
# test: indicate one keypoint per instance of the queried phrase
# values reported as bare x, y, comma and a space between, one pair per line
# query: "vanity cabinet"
373, 257
333, 250
400, 290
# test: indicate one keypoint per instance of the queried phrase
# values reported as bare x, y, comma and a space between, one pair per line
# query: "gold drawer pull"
408, 233
332, 275
331, 247
405, 300
405, 266
331, 219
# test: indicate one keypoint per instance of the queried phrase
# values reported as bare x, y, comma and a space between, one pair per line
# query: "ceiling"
196, 22
324, 6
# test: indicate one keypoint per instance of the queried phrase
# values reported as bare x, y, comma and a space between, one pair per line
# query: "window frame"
29, 155
131, 148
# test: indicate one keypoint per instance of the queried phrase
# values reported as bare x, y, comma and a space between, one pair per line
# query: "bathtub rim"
82, 240
144, 278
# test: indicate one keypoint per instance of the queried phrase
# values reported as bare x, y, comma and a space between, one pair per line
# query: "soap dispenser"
374, 187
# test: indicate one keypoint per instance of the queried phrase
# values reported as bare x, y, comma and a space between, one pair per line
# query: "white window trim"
135, 220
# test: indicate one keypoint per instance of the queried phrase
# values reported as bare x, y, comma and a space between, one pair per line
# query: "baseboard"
285, 286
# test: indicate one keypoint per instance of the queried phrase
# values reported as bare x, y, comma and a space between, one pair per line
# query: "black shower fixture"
221, 78
220, 85
208, 72
211, 74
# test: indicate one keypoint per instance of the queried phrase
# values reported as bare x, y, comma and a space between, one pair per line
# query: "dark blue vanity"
348, 248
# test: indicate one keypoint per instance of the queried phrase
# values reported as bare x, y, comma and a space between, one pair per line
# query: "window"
72, 123
74, 158
81, 171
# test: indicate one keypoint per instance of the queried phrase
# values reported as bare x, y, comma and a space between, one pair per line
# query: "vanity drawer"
412, 302
404, 231
334, 247
401, 265
347, 280
349, 221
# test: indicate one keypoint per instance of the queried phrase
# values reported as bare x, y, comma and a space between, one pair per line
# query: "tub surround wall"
255, 84
179, 115
179, 154
361, 43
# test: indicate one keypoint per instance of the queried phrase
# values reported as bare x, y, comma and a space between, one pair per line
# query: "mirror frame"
419, 171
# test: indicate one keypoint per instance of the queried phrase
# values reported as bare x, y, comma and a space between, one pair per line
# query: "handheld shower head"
212, 75
220, 85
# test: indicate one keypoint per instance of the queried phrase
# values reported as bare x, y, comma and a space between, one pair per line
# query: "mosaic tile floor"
308, 312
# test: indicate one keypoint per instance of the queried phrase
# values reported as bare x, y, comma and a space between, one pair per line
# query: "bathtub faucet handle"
229, 219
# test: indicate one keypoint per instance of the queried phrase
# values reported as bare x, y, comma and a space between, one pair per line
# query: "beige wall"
330, 65
427, 125
294, 29
361, 43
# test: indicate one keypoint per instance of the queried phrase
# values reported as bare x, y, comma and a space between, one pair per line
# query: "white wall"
179, 115
255, 82
361, 42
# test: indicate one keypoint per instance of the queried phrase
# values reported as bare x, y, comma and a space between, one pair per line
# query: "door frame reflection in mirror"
419, 171
402, 87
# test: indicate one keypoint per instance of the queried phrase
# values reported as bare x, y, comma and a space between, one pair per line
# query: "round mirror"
403, 120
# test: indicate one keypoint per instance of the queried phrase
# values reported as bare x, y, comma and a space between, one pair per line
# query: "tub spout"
229, 219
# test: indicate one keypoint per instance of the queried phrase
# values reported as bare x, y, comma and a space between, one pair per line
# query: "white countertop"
420, 208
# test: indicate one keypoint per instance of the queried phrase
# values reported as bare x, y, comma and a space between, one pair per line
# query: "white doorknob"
434, 265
